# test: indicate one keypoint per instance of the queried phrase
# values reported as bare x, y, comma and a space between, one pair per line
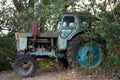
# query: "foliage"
20, 16
7, 52
27, 10
107, 27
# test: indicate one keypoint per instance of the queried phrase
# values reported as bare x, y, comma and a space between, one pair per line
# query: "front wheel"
87, 55
25, 66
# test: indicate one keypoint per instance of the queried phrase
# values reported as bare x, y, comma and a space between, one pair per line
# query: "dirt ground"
57, 75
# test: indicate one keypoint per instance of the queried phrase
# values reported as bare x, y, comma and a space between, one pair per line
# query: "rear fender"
74, 34
63, 43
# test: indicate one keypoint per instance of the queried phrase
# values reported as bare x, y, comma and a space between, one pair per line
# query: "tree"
108, 24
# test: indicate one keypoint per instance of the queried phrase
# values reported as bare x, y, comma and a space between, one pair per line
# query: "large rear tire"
85, 54
25, 66
63, 63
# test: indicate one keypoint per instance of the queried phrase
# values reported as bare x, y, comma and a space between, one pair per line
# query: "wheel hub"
89, 53
25, 67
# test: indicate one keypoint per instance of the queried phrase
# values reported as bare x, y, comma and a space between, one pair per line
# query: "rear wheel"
87, 55
63, 62
25, 66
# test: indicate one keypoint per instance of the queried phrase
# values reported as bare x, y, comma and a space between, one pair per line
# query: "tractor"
66, 44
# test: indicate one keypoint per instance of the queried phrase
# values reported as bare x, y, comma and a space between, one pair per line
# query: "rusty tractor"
66, 44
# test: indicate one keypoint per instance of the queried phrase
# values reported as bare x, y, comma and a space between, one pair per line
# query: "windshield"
68, 21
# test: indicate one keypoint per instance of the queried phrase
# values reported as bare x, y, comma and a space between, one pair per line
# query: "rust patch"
63, 41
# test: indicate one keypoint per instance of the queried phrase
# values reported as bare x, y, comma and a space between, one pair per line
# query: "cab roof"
86, 15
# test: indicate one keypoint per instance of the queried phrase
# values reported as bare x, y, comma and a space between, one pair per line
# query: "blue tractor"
66, 44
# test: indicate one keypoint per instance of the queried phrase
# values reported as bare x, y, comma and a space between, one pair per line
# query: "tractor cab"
69, 26
70, 20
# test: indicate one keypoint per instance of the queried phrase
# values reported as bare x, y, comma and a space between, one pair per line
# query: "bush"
7, 51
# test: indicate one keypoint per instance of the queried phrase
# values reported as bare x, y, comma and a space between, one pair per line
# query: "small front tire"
25, 66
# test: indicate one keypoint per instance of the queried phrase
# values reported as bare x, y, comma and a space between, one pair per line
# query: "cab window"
68, 21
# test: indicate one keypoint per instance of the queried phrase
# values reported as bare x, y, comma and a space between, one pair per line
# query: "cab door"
67, 27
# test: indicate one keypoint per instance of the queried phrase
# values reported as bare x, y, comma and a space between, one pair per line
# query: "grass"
109, 68
48, 65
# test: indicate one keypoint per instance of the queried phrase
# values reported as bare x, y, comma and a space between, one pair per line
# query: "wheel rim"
90, 55
25, 67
